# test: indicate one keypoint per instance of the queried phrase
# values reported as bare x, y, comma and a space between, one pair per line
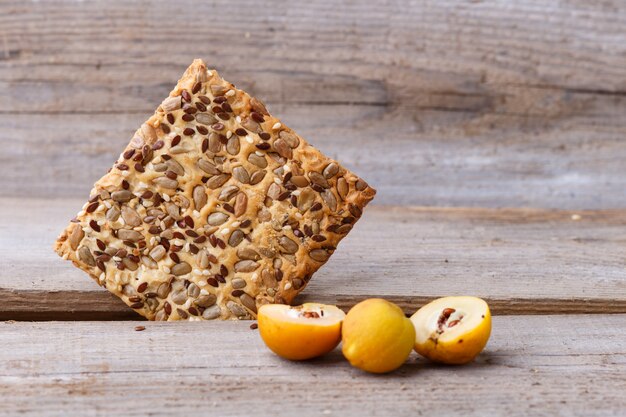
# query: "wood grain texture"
541, 365
523, 261
447, 103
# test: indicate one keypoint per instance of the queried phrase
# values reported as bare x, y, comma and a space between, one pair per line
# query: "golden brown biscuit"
213, 208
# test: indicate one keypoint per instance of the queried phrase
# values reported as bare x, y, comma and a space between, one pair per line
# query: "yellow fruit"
452, 330
376, 336
301, 332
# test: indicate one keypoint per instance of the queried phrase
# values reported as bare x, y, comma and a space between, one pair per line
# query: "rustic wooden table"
494, 131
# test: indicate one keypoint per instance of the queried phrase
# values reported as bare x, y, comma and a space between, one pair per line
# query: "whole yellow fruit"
376, 336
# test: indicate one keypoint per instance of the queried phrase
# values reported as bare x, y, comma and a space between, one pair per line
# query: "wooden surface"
96, 368
494, 132
523, 261
446, 103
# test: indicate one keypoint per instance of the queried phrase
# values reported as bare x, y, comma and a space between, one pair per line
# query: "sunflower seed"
318, 179
171, 104
238, 283
235, 238
289, 138
76, 236
122, 196
205, 119
166, 182
236, 309
331, 170
199, 197
175, 167
258, 106
212, 313
273, 191
306, 199
208, 167
217, 181
215, 145
179, 296
157, 253
84, 254
131, 235
283, 149
250, 125
248, 302
248, 254
130, 216
206, 300
288, 245
342, 188
217, 218
241, 175
129, 264
246, 266
329, 199
181, 269
160, 167
268, 278
228, 192
112, 214
257, 177
149, 262
164, 290
148, 133
193, 290
232, 146
299, 180
173, 210
319, 255
241, 204
257, 160
360, 185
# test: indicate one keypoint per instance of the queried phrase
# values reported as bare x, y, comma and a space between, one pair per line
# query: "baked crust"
188, 225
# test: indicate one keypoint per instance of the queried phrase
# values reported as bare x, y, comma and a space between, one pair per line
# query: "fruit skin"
376, 336
298, 341
460, 349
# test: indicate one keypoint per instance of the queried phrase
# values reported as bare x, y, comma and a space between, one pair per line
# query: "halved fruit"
452, 330
300, 332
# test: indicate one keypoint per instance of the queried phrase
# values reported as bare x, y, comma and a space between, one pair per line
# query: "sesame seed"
288, 286
230, 93
276, 126
197, 272
125, 173
229, 134
238, 119
166, 198
255, 276
209, 73
206, 272
87, 230
82, 212
225, 231
576, 217
249, 140
278, 181
166, 269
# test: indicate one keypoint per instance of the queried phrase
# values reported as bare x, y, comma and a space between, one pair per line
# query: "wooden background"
494, 132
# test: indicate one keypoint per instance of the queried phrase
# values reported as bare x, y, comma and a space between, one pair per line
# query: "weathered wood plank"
523, 261
541, 365
125, 58
433, 161
455, 103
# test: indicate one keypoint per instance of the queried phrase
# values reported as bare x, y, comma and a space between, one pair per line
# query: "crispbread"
214, 208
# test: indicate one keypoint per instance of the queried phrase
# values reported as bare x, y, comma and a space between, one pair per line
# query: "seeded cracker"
213, 208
